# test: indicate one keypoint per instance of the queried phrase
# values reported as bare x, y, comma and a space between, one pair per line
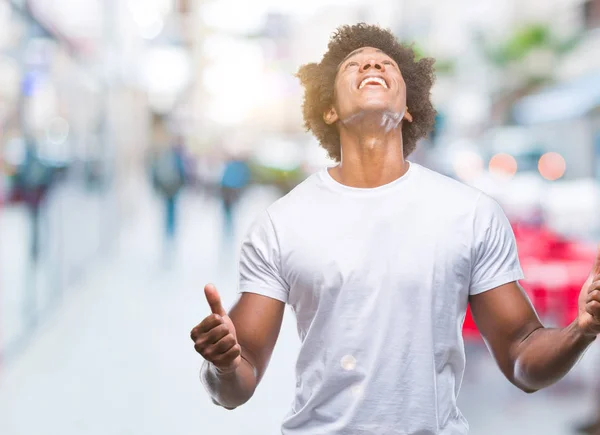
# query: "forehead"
362, 50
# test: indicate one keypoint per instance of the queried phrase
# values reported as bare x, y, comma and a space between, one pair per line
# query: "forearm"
232, 389
547, 355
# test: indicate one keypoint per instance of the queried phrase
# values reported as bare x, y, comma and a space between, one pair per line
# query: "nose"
372, 64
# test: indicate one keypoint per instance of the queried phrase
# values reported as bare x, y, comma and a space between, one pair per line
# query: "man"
379, 257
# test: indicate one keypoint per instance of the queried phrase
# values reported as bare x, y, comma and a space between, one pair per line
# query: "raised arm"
530, 356
237, 346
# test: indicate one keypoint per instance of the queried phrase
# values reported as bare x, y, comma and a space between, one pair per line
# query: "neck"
372, 154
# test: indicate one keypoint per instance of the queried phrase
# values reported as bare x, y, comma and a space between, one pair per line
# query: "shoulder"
296, 200
448, 190
489, 215
273, 219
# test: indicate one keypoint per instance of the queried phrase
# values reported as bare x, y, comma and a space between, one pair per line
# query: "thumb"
596, 268
214, 300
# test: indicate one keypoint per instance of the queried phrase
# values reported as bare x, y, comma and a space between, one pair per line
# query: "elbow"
530, 386
229, 406
529, 390
524, 380
215, 402
525, 387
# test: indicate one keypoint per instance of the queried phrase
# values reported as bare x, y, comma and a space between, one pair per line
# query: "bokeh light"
552, 166
503, 164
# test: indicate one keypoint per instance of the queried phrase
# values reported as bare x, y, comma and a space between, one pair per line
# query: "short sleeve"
495, 259
260, 261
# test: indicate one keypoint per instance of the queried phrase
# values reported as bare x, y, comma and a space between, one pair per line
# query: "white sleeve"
495, 259
260, 261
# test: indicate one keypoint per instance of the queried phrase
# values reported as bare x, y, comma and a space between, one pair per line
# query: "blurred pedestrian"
32, 181
169, 177
235, 178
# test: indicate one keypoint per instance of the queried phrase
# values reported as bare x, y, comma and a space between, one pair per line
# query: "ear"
408, 116
331, 116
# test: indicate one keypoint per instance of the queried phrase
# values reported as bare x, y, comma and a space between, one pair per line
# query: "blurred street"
119, 360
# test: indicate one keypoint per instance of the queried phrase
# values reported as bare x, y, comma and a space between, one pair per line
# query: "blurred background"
140, 138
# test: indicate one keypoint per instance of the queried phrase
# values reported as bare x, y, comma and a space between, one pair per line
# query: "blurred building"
72, 95
564, 117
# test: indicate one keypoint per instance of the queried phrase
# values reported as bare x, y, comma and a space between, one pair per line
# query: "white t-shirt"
379, 280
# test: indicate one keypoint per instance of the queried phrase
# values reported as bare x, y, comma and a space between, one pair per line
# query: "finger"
210, 351
201, 347
593, 308
215, 351
596, 268
216, 334
204, 343
223, 345
214, 300
210, 322
593, 295
229, 358
593, 286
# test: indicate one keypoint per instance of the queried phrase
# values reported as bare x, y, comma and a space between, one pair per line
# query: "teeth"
372, 80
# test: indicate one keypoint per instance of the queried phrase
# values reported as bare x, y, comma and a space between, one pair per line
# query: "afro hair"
319, 79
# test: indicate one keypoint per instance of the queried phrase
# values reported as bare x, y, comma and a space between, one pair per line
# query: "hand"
588, 320
215, 338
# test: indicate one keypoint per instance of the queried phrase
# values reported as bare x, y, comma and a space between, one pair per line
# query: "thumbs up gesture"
589, 301
215, 338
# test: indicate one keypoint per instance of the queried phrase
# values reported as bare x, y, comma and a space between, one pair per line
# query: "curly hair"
319, 79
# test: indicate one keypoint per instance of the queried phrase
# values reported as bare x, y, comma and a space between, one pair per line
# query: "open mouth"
373, 81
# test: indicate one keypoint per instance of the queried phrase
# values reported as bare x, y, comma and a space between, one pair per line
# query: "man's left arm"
531, 356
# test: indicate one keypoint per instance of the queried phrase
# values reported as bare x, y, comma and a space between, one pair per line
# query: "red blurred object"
555, 268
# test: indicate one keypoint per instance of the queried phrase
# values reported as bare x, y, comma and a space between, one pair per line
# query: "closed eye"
349, 64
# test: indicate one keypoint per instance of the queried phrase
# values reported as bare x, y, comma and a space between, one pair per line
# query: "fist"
589, 302
215, 338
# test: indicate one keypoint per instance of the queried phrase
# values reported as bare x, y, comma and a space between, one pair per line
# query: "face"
368, 80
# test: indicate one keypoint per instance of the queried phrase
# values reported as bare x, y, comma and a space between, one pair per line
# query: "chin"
380, 105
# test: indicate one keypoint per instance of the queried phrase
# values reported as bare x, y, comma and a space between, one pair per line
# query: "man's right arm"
257, 321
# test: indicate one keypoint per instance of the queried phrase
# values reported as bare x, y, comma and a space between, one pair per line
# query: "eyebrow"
355, 52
